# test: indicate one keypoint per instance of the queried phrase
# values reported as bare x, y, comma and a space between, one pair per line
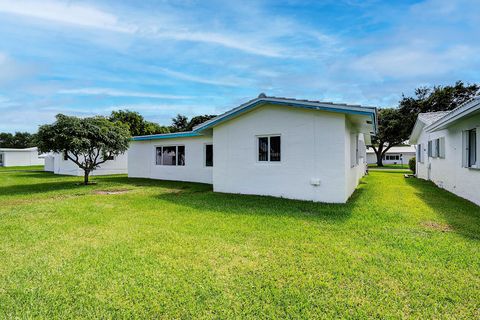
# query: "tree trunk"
379, 158
85, 177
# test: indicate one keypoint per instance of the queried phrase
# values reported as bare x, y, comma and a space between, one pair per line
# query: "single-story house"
60, 164
10, 157
394, 155
448, 149
297, 149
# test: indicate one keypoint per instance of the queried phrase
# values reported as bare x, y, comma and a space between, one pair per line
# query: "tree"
137, 124
88, 142
195, 121
395, 125
179, 123
17, 140
391, 132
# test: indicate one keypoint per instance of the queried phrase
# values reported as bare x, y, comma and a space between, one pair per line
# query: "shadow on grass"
204, 199
461, 214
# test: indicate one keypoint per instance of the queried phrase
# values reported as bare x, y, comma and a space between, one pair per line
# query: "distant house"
394, 155
281, 147
10, 157
60, 164
448, 149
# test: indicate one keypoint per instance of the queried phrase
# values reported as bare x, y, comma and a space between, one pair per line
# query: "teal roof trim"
367, 112
167, 136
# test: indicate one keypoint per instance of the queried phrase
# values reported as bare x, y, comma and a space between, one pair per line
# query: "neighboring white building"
59, 164
394, 155
10, 157
296, 149
448, 149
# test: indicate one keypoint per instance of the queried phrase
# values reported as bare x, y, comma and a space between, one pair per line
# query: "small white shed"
10, 157
59, 164
394, 155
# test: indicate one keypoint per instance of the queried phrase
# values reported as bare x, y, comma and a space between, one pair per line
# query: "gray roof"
430, 117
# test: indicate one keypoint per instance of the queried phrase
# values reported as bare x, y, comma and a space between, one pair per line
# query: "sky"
162, 58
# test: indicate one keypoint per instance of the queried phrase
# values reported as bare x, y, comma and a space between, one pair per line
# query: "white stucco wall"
354, 168
13, 158
312, 147
142, 160
67, 167
449, 173
49, 163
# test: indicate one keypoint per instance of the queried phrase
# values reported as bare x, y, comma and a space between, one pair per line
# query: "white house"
448, 149
10, 157
290, 148
60, 164
394, 155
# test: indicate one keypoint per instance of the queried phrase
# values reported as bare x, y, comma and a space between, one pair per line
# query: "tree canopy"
18, 140
395, 125
88, 142
181, 123
137, 124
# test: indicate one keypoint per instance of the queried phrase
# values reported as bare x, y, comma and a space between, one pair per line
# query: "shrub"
411, 164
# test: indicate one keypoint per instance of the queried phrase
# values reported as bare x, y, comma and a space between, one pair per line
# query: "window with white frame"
392, 157
441, 147
430, 149
419, 153
170, 156
269, 149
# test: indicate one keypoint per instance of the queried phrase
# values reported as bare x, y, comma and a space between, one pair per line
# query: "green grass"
22, 168
389, 166
400, 248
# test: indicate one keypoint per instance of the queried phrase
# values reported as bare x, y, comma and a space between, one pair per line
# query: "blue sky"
204, 57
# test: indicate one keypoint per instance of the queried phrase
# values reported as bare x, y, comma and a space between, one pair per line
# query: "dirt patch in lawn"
120, 191
437, 226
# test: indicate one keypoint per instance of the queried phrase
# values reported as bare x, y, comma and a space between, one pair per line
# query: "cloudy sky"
195, 57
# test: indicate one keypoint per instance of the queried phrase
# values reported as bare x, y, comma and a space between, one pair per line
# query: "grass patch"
389, 166
21, 168
399, 248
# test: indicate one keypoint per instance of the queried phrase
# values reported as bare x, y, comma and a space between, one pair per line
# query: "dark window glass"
65, 156
181, 155
472, 147
209, 155
169, 156
263, 149
158, 158
275, 148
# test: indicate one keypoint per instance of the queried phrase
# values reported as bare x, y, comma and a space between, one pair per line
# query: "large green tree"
137, 124
181, 123
17, 140
395, 125
88, 142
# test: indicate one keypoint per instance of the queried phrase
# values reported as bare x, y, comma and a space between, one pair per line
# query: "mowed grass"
399, 248
22, 168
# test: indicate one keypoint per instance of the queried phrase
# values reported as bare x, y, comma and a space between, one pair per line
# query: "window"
392, 157
170, 156
209, 155
472, 148
441, 148
109, 157
269, 148
419, 153
1, 159
430, 148
65, 155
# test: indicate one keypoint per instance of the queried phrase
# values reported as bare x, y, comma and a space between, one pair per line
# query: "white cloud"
230, 82
120, 93
410, 62
65, 12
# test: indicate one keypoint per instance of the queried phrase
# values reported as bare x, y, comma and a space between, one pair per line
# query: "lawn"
389, 166
155, 249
